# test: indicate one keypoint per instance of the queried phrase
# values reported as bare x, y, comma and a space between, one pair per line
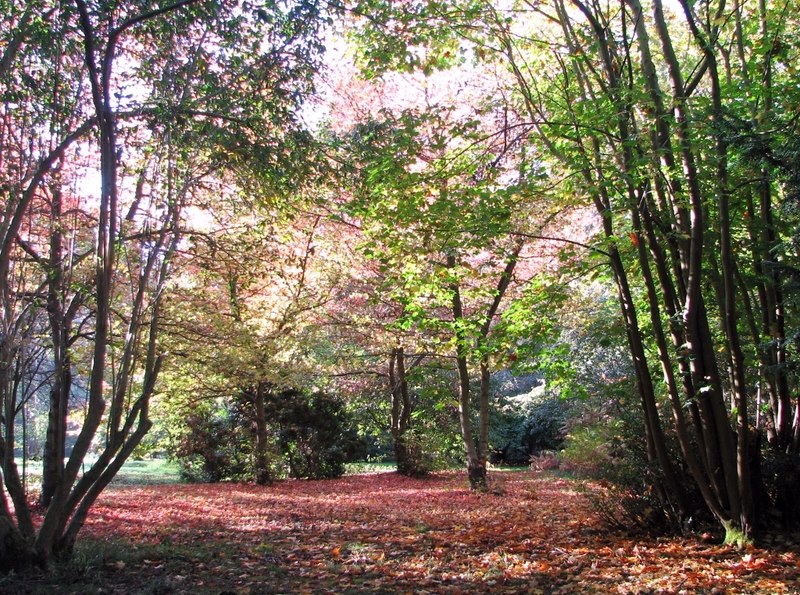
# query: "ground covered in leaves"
383, 533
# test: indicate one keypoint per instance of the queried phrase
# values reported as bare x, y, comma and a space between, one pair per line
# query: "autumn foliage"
535, 533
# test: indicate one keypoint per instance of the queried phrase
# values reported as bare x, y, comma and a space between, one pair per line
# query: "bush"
314, 434
520, 427
214, 449
594, 451
781, 476
310, 435
610, 447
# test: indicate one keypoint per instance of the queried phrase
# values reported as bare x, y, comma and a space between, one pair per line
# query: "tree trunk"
55, 442
262, 471
727, 456
476, 463
406, 458
16, 553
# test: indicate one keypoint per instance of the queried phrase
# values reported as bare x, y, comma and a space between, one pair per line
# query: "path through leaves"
384, 533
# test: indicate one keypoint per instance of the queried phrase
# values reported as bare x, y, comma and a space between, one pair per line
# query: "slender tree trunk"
55, 442
476, 462
105, 256
406, 458
730, 311
483, 412
667, 484
263, 476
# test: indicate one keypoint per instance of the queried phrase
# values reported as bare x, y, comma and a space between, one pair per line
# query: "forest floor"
383, 533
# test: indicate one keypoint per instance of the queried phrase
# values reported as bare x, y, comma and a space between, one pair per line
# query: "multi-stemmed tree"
446, 208
115, 120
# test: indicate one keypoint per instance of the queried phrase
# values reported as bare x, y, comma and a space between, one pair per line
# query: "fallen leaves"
386, 533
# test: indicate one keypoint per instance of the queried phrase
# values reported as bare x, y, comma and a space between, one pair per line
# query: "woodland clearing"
384, 533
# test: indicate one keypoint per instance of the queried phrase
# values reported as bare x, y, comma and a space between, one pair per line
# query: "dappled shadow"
384, 533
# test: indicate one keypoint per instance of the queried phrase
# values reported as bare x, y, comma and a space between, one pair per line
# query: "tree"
646, 137
94, 261
254, 280
441, 202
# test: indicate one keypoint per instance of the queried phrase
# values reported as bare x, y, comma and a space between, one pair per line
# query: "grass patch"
362, 467
148, 472
509, 469
144, 472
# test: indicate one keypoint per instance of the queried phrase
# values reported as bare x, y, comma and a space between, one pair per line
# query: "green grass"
149, 471
509, 468
161, 471
144, 472
369, 467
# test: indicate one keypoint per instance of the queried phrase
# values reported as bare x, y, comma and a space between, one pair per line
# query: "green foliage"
311, 436
409, 37
314, 434
606, 444
610, 450
436, 444
214, 448
595, 450
523, 425
434, 435
413, 454
781, 475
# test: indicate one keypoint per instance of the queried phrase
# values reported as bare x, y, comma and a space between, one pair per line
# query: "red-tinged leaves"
388, 533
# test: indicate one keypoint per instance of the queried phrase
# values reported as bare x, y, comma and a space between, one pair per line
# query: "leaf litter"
384, 533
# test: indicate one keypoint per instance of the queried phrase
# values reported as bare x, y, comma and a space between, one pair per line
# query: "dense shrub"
609, 451
781, 477
607, 444
314, 434
432, 440
214, 448
310, 437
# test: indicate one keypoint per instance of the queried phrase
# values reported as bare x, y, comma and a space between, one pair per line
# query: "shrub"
314, 434
524, 426
214, 449
611, 448
781, 475
310, 435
